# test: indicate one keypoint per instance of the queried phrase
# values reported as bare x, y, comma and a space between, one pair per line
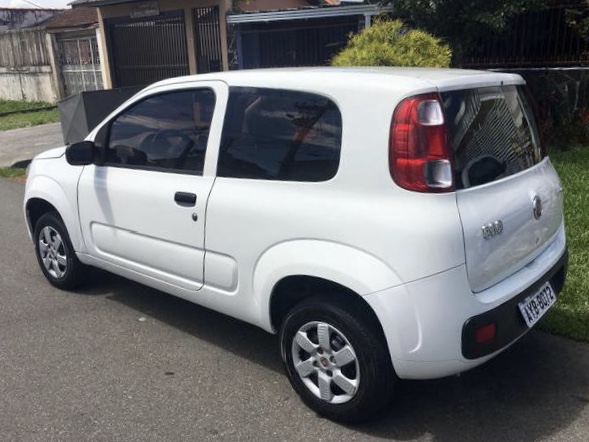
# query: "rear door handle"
185, 199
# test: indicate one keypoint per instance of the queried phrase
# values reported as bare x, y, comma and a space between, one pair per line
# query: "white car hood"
51, 153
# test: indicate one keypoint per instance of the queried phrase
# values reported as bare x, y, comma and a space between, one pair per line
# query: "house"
146, 41
294, 33
74, 35
26, 63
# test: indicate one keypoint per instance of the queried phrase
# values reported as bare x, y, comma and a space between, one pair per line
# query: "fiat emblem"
537, 207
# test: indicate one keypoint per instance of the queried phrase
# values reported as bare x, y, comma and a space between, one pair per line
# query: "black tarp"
80, 113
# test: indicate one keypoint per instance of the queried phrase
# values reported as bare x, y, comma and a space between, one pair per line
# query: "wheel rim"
53, 252
326, 362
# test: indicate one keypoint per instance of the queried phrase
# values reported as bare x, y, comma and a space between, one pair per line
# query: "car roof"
332, 77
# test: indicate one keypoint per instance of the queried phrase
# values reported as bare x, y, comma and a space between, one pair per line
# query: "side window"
166, 132
272, 134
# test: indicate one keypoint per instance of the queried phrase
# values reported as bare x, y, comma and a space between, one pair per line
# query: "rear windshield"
492, 132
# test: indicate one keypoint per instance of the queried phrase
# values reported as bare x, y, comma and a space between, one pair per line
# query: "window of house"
272, 134
166, 132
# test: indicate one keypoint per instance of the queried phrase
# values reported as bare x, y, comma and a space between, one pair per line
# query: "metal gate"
147, 49
538, 39
208, 40
293, 42
80, 64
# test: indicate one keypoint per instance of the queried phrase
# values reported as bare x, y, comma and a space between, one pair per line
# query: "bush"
573, 131
562, 104
390, 43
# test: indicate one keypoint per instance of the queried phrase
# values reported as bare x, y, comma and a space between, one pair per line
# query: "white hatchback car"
388, 223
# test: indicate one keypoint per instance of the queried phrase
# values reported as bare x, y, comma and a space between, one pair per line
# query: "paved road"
120, 362
23, 144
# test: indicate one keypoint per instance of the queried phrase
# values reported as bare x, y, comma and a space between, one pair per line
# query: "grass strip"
570, 315
19, 106
26, 111
18, 120
10, 172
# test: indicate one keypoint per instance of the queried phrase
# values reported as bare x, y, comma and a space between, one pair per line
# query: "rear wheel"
336, 361
55, 253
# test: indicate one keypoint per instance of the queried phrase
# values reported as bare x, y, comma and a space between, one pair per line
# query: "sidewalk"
23, 144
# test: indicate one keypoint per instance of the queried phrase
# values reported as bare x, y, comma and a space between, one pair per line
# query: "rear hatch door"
509, 197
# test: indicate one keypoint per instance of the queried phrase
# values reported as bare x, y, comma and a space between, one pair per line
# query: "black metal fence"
291, 43
535, 39
146, 50
562, 104
208, 40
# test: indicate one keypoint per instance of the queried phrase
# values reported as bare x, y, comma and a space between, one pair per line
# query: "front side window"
167, 132
492, 133
272, 134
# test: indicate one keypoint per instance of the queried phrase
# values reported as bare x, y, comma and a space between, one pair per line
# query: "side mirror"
82, 153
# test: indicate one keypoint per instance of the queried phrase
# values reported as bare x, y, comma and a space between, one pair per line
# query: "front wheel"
336, 361
55, 253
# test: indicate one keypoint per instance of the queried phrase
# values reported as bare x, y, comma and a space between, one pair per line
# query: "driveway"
121, 362
18, 145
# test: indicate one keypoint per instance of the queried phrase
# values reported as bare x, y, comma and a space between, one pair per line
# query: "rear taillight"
419, 153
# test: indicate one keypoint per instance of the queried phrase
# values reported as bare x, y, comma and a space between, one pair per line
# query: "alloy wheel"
53, 252
326, 362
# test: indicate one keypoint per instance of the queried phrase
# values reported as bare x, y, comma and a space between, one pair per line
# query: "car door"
143, 209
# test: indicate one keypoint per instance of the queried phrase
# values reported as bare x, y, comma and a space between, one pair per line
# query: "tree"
389, 43
461, 23
577, 16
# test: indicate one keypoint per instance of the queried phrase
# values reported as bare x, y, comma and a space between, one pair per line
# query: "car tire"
336, 360
55, 253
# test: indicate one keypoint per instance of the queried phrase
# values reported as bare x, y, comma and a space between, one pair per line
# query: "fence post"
190, 41
223, 8
56, 75
104, 51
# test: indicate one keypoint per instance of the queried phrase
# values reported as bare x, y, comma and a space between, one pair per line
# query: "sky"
34, 4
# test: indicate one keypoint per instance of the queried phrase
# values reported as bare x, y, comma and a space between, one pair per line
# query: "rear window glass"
273, 134
492, 132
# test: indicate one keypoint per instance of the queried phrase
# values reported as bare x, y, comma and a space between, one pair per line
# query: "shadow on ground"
532, 391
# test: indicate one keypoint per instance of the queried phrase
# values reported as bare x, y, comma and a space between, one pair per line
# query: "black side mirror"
82, 153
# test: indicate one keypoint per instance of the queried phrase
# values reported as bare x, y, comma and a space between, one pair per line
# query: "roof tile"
76, 17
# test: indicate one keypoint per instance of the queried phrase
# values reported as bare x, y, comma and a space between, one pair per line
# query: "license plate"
533, 307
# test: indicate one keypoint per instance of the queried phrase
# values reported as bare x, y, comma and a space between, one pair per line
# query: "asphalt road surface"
121, 362
23, 144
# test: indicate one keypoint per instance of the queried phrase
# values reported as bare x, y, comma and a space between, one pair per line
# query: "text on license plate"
533, 307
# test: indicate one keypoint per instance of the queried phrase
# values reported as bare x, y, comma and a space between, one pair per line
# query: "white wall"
33, 83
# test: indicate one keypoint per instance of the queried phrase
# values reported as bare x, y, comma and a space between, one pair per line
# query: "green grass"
15, 121
570, 315
9, 172
15, 106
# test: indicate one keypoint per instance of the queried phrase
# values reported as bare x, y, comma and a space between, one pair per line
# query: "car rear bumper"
510, 324
429, 323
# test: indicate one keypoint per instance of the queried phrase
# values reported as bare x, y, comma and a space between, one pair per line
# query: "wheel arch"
294, 270
46, 195
293, 289
35, 208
